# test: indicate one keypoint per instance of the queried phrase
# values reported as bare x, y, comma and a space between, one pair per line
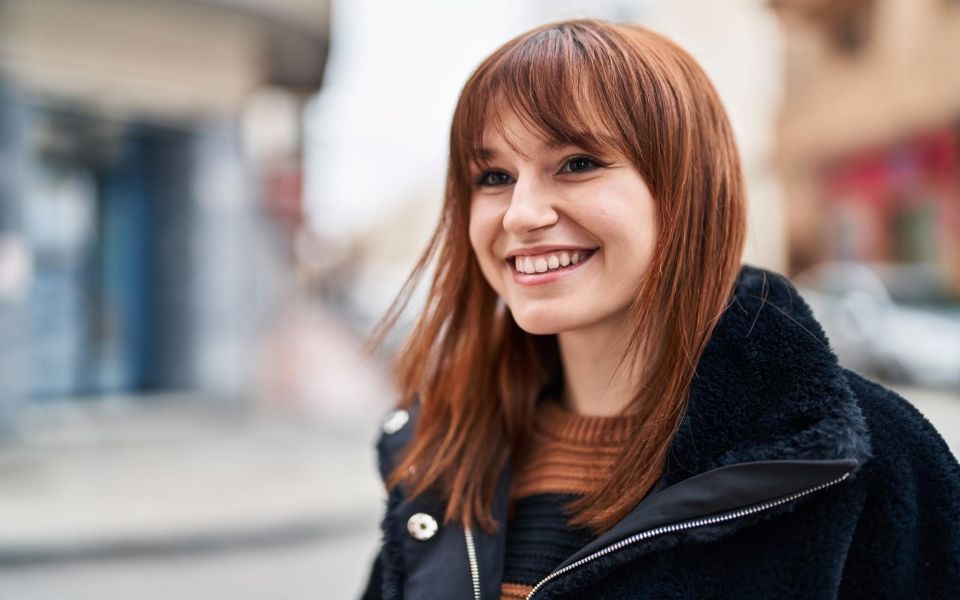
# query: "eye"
579, 164
492, 179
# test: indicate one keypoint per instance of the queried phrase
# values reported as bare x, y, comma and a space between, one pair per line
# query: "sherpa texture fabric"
768, 387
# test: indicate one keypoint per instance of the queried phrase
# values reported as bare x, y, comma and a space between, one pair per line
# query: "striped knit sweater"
568, 455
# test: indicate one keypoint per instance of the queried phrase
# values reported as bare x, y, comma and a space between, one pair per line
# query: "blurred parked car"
901, 340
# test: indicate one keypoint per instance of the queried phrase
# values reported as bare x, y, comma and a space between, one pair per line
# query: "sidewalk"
173, 474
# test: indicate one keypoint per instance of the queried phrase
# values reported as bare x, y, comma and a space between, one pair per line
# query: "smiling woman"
579, 272
599, 400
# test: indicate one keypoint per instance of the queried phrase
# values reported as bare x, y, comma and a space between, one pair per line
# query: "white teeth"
541, 265
551, 262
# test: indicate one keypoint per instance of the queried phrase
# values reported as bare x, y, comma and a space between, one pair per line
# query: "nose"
531, 207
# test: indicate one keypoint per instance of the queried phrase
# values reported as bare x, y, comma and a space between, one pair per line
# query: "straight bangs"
562, 86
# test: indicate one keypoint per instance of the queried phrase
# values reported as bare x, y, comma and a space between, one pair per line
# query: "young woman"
599, 400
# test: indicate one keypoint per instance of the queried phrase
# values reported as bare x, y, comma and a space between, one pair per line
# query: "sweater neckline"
561, 423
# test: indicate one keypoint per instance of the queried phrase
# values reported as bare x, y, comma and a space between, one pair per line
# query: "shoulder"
912, 476
902, 438
907, 537
396, 431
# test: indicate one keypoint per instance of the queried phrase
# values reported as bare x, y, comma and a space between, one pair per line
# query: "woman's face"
582, 228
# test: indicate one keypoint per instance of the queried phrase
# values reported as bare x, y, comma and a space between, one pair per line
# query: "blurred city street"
207, 205
168, 499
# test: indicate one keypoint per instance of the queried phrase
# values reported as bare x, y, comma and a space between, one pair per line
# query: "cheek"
474, 232
626, 221
481, 230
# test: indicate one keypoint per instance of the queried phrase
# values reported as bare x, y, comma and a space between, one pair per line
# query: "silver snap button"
395, 421
422, 526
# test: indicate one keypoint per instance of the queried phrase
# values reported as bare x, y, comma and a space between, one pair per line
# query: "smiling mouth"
549, 263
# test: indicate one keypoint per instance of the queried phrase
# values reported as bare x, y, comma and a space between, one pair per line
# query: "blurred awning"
176, 58
862, 74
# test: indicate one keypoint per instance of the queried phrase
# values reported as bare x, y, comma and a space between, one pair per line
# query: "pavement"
180, 474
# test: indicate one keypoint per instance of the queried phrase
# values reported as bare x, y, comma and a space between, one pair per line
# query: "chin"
541, 324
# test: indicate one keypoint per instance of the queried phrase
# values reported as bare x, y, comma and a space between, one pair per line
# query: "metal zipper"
474, 566
740, 512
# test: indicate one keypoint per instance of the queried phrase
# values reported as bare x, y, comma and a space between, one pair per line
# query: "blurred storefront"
900, 203
151, 156
869, 138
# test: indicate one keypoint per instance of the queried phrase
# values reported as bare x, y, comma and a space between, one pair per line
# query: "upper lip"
529, 250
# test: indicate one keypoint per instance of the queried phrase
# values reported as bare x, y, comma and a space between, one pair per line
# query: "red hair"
603, 87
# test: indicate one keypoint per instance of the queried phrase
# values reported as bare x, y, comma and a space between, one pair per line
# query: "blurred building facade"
869, 138
151, 171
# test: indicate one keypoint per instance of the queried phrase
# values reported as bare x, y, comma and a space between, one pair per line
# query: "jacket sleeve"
386, 572
907, 540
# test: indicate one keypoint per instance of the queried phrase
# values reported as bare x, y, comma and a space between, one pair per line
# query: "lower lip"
548, 276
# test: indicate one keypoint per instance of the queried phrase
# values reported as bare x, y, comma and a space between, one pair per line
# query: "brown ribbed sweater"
568, 455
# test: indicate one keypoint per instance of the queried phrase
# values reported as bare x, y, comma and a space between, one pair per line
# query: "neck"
590, 357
